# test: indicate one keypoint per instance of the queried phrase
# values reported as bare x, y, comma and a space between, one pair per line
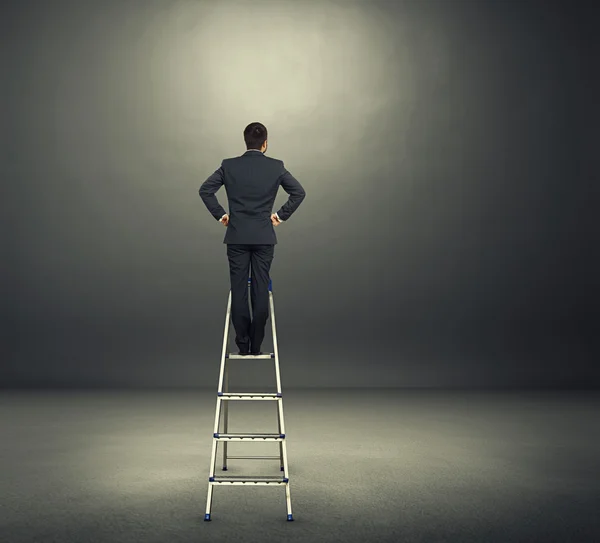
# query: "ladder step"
235, 356
247, 480
249, 395
254, 457
249, 437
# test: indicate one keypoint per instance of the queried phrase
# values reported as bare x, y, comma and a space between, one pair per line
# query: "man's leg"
262, 257
239, 271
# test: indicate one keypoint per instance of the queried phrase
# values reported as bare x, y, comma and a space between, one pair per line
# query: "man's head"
255, 136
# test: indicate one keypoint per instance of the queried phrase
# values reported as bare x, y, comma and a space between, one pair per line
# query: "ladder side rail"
225, 417
277, 373
275, 348
224, 349
280, 418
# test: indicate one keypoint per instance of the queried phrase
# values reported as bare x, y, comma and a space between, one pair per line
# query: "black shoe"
257, 354
244, 353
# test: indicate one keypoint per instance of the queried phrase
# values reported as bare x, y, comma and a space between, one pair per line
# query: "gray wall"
447, 237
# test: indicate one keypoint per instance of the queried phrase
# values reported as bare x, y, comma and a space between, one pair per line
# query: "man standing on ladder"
251, 182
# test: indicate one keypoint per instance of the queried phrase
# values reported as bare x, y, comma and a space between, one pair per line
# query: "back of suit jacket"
251, 182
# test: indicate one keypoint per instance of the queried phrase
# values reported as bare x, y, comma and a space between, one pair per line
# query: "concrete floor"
365, 465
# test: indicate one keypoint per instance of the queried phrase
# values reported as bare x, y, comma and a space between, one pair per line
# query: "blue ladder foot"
290, 517
207, 516
224, 468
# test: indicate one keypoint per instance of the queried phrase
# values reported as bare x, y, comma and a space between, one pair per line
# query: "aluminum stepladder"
224, 396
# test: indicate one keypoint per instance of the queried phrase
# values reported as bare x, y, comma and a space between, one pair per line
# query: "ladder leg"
282, 444
281, 467
213, 457
213, 461
284, 461
288, 500
225, 417
208, 502
277, 378
288, 497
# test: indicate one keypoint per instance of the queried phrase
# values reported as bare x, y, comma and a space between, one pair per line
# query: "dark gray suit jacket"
251, 181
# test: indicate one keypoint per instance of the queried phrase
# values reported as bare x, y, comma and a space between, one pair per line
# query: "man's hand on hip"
274, 220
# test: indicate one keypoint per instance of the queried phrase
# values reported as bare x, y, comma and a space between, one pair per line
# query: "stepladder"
222, 438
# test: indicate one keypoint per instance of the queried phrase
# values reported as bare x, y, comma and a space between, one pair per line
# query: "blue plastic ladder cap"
286, 480
281, 468
219, 394
224, 468
290, 517
207, 516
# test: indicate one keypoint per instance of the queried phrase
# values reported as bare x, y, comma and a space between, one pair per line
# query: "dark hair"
255, 135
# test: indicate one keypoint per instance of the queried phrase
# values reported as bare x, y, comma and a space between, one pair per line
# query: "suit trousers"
243, 257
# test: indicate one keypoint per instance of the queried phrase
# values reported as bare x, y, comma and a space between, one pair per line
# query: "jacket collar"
253, 152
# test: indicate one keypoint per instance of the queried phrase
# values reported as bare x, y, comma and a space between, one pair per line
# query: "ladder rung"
254, 457
249, 437
248, 483
236, 356
249, 395
241, 480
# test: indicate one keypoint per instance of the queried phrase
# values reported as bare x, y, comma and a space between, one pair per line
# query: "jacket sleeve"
292, 186
207, 193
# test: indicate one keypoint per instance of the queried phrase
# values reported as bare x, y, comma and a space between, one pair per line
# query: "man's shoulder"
271, 159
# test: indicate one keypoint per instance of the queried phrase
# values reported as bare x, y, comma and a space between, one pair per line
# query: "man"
251, 181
